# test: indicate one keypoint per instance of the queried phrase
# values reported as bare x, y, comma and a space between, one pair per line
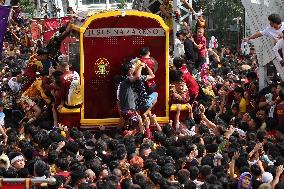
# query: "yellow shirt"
243, 106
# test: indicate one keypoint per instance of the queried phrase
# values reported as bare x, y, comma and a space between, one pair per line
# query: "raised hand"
236, 155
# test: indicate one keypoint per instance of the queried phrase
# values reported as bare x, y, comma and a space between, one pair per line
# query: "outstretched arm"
150, 75
164, 11
276, 179
188, 6
66, 32
2, 131
137, 74
254, 36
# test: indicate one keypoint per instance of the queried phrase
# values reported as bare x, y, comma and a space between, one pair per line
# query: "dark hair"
41, 169
57, 75
52, 156
275, 18
23, 173
126, 67
139, 179
189, 185
180, 32
72, 146
121, 153
144, 51
62, 163
107, 183
45, 141
178, 61
77, 176
125, 184
183, 176
156, 177
175, 76
194, 171
151, 165
239, 90
56, 137
251, 75
205, 170
88, 155
135, 168
255, 170
168, 170
281, 94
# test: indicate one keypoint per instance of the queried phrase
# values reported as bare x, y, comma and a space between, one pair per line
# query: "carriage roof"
83, 19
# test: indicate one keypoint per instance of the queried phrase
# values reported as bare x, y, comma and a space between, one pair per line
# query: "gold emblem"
102, 67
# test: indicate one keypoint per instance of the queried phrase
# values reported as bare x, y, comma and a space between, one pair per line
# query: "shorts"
152, 98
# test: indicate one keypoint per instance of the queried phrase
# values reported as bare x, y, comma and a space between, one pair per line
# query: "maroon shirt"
152, 64
201, 41
192, 85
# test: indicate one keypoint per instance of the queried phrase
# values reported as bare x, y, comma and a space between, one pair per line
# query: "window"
118, 1
88, 2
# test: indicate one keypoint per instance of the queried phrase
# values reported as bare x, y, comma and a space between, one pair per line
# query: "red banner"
49, 28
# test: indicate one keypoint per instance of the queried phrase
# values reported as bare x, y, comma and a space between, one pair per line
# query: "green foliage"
122, 4
28, 7
222, 13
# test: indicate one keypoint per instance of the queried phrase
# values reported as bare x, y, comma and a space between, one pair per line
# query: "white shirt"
198, 183
2, 117
273, 33
279, 45
179, 48
14, 85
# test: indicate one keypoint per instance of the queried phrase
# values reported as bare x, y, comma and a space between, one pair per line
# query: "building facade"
85, 5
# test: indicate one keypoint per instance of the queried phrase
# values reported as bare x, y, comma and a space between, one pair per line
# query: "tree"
122, 4
28, 7
222, 13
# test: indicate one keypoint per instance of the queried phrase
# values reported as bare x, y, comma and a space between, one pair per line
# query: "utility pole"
176, 25
177, 6
238, 19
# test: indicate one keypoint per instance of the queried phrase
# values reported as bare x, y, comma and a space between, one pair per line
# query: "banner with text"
4, 15
117, 32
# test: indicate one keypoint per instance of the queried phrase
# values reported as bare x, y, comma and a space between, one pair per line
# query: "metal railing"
32, 180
